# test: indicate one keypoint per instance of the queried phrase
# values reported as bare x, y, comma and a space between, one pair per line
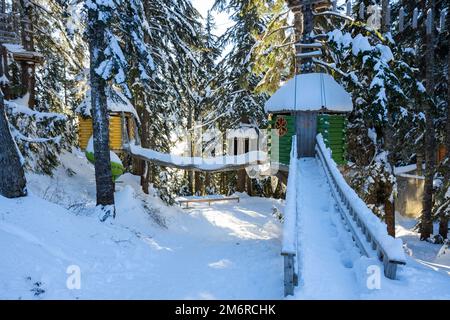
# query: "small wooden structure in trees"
304, 106
17, 44
244, 139
116, 134
122, 121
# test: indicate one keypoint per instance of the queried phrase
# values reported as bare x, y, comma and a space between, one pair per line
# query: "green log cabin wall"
333, 128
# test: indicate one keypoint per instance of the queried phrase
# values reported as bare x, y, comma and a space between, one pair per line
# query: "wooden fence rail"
289, 246
370, 241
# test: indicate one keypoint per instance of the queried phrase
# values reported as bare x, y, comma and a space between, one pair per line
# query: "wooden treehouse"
17, 45
306, 105
310, 103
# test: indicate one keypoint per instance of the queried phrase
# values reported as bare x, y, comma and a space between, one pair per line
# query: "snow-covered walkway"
326, 249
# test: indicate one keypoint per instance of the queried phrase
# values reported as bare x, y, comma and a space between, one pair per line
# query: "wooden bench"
209, 200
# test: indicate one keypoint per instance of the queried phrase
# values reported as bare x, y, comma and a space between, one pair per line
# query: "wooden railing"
289, 246
369, 233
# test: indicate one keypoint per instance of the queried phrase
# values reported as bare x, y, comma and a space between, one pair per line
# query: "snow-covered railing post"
289, 246
369, 233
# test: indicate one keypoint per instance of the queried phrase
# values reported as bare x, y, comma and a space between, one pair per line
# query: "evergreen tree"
242, 103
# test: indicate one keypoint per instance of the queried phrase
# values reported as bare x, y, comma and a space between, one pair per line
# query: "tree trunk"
191, 150
386, 26
100, 116
249, 186
443, 218
303, 26
198, 183
12, 176
28, 68
389, 204
207, 182
426, 229
419, 160
241, 177
146, 142
4, 71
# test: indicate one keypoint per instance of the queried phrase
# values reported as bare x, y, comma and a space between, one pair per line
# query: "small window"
246, 145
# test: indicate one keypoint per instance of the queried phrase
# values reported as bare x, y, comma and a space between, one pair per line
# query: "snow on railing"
212, 164
369, 232
289, 245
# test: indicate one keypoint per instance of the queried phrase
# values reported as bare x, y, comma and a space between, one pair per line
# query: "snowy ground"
331, 267
226, 251
425, 253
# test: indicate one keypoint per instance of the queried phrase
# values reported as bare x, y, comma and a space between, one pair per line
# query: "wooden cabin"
116, 134
306, 105
17, 43
121, 115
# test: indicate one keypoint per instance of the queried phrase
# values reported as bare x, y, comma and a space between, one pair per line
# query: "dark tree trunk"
303, 26
443, 219
146, 143
389, 203
4, 71
207, 182
386, 26
419, 160
100, 116
426, 229
191, 150
28, 68
249, 186
12, 177
241, 177
298, 31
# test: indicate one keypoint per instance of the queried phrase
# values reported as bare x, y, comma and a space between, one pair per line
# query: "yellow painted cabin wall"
85, 131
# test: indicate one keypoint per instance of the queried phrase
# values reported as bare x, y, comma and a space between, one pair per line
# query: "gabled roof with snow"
116, 102
310, 92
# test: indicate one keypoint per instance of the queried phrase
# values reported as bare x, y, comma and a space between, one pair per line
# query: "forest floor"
228, 250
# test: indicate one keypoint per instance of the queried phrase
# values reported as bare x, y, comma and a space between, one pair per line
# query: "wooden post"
289, 274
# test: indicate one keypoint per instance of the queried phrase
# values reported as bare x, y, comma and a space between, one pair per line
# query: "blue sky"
222, 20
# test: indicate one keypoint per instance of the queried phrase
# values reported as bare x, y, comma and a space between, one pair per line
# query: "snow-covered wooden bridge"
325, 223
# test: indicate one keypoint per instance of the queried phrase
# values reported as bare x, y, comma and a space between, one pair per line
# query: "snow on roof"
19, 49
116, 101
309, 92
243, 132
